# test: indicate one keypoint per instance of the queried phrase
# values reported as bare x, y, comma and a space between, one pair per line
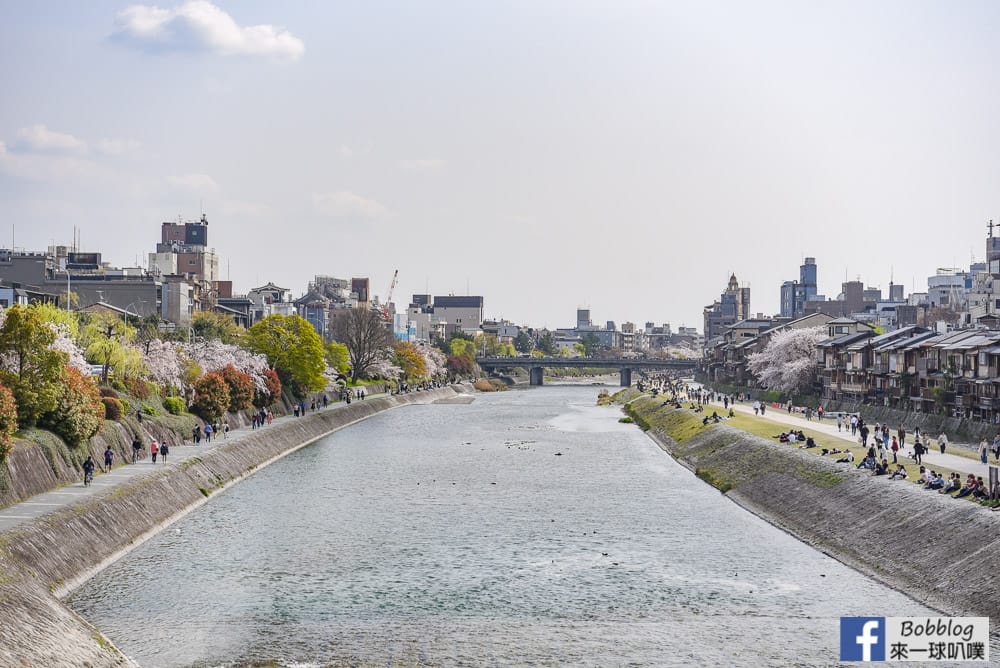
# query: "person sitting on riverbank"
980, 492
810, 443
969, 488
899, 473
848, 458
953, 484
867, 463
924, 474
934, 481
827, 451
882, 468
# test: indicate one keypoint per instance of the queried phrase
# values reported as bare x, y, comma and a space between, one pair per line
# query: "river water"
528, 528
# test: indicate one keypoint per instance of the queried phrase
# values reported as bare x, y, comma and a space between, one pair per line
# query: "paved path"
42, 504
828, 425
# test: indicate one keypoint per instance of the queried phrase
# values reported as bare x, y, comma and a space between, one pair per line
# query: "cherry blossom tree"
788, 363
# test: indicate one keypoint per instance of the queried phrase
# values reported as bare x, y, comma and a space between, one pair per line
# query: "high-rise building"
795, 294
732, 306
582, 318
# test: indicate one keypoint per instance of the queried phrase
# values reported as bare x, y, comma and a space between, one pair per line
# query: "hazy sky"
622, 156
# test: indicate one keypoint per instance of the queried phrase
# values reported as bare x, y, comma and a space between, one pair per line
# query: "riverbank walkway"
42, 504
828, 426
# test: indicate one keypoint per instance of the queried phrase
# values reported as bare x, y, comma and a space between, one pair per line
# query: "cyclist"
136, 447
88, 471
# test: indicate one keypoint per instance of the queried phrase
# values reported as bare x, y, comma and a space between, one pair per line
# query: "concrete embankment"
941, 551
45, 559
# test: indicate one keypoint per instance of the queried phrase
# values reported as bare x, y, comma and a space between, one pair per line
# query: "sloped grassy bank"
44, 559
941, 552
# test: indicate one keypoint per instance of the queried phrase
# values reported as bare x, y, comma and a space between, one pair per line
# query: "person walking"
154, 449
819, 413
164, 451
901, 433
208, 432
840, 421
942, 442
225, 429
88, 471
984, 450
895, 449
109, 456
918, 449
136, 447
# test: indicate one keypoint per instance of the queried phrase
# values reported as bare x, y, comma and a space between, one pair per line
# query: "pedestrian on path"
854, 425
918, 449
164, 451
895, 449
942, 442
136, 447
819, 413
984, 450
154, 449
840, 421
901, 433
109, 456
208, 432
225, 429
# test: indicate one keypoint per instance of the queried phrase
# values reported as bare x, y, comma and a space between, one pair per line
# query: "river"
528, 528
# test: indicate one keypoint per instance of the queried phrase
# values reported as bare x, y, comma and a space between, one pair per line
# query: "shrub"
459, 364
269, 396
79, 411
211, 397
138, 388
174, 405
126, 406
112, 408
109, 392
8, 420
241, 388
149, 410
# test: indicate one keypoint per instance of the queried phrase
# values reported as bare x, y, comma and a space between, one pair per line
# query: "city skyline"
632, 156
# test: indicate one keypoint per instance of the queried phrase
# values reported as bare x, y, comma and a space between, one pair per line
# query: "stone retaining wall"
45, 559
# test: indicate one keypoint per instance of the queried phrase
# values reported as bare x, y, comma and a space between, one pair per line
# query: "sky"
622, 156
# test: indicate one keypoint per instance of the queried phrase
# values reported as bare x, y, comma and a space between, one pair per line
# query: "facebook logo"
862, 638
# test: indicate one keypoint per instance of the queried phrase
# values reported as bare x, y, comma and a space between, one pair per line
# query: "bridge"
536, 365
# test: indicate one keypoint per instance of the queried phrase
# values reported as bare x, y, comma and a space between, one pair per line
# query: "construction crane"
388, 295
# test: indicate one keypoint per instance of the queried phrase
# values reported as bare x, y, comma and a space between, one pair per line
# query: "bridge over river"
536, 365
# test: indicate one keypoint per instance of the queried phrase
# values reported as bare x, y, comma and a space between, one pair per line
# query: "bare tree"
366, 337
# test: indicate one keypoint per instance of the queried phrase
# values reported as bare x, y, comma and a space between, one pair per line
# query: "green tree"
579, 349
78, 412
31, 371
215, 326
547, 344
211, 397
590, 342
463, 348
522, 342
364, 333
293, 349
338, 357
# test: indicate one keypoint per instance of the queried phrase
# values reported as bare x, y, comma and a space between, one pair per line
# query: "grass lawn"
768, 429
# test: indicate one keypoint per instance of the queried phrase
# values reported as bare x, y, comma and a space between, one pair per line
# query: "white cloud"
198, 25
346, 151
194, 181
39, 139
344, 204
3, 148
424, 165
239, 208
117, 146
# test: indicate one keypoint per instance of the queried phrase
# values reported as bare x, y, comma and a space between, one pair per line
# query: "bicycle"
88, 477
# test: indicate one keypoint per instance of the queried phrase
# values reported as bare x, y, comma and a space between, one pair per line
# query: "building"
466, 312
795, 294
733, 305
